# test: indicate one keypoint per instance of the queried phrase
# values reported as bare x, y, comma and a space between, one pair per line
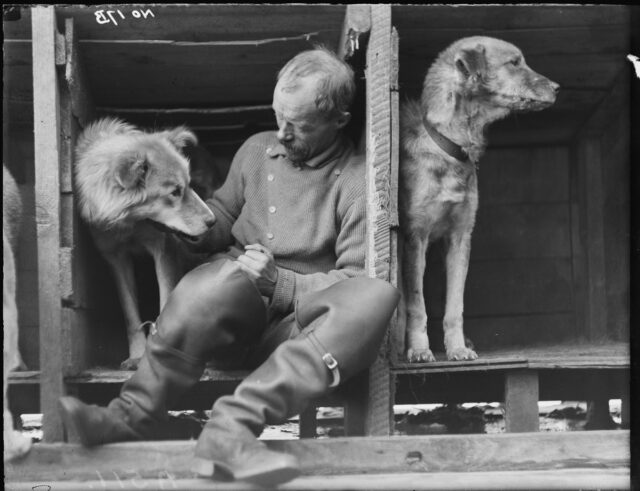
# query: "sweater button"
272, 209
270, 177
269, 235
337, 172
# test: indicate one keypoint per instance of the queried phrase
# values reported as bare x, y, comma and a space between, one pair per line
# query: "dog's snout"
555, 87
210, 220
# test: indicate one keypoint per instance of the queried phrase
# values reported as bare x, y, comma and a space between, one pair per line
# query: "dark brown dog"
474, 82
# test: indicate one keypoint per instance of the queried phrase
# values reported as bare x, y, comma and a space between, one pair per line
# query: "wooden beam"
498, 480
521, 401
591, 206
186, 110
424, 455
379, 420
308, 422
357, 21
47, 195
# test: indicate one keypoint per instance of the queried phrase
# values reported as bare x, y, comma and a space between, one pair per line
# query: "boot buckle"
332, 364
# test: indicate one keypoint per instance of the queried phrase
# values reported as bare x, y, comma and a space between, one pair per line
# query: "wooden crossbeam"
49, 463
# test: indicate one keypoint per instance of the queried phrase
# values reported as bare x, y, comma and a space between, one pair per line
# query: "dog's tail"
100, 129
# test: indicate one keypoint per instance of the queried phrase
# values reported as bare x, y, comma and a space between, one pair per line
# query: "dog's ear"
180, 137
132, 172
472, 62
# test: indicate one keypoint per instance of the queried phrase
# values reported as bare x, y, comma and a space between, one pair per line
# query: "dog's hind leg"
458, 252
414, 264
122, 266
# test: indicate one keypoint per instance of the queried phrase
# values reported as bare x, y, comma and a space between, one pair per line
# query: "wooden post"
46, 120
357, 21
521, 401
379, 404
308, 422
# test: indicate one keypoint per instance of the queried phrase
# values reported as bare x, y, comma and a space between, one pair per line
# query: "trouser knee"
350, 319
214, 305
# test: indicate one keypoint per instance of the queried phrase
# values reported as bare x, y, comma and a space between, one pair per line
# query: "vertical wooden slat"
379, 413
47, 197
357, 21
521, 393
308, 422
592, 224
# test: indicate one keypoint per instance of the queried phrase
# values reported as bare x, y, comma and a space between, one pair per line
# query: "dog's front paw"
130, 364
420, 355
461, 354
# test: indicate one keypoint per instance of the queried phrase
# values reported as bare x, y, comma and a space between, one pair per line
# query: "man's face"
302, 129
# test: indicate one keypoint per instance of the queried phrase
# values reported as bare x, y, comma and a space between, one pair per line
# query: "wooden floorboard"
558, 356
331, 456
544, 480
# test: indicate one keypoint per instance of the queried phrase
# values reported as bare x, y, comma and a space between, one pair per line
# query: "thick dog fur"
15, 443
133, 190
474, 82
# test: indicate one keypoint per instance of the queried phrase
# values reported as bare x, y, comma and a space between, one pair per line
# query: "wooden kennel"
549, 260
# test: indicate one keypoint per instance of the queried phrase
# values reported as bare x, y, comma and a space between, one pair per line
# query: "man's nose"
284, 134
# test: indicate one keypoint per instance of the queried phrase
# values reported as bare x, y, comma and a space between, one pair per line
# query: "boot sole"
266, 478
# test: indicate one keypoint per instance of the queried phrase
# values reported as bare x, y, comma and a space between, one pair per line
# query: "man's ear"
180, 137
343, 120
132, 171
472, 62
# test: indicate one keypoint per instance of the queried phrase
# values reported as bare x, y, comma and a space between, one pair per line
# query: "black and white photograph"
320, 246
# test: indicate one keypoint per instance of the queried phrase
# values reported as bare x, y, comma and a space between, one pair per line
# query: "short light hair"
336, 86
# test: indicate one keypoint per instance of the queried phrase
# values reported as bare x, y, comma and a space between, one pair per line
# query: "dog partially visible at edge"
133, 192
15, 443
474, 82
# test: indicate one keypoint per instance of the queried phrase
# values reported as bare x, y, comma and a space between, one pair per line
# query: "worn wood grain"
522, 231
521, 396
357, 22
616, 478
426, 455
47, 196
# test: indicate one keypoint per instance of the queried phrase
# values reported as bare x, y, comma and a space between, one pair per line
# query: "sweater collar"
320, 160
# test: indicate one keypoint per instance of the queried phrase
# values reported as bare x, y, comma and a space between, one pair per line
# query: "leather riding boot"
343, 328
215, 307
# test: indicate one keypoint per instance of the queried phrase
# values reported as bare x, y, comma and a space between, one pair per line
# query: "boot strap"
327, 358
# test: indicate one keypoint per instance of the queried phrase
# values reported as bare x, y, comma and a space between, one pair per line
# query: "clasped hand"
257, 261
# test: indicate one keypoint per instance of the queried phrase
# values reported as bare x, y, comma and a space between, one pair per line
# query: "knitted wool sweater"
311, 217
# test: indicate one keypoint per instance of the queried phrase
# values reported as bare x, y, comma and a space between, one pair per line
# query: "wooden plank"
103, 376
357, 21
507, 17
378, 400
81, 100
521, 401
508, 287
592, 224
490, 333
202, 23
308, 422
522, 231
597, 39
499, 480
524, 175
332, 456
47, 195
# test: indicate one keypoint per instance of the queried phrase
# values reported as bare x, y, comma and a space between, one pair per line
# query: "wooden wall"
519, 287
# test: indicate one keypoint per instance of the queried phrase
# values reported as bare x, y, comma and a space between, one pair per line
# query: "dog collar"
451, 148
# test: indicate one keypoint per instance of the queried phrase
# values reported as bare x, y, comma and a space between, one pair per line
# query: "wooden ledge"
562, 356
358, 455
525, 480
